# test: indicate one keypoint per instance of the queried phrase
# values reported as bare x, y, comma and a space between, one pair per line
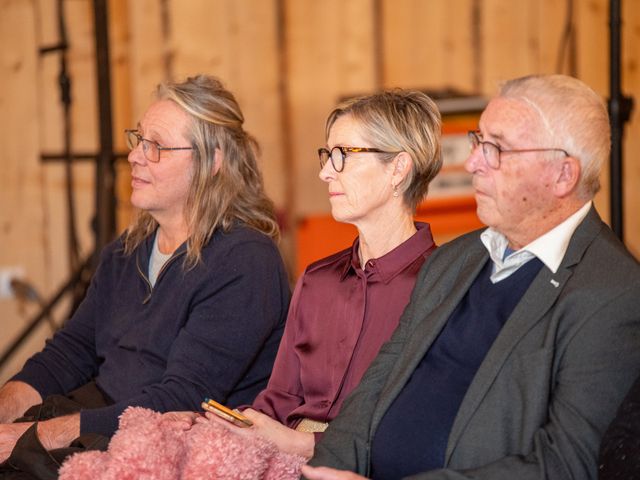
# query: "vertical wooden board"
458, 48
427, 45
21, 215
84, 125
149, 53
593, 69
202, 32
551, 22
510, 45
631, 87
237, 42
148, 63
255, 75
330, 55
121, 102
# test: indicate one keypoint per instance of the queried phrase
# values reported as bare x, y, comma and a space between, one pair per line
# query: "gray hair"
216, 200
573, 117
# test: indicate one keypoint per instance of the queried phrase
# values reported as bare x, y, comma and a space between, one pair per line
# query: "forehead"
511, 120
164, 117
346, 131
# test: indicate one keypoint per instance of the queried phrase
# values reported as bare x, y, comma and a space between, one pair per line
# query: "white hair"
573, 117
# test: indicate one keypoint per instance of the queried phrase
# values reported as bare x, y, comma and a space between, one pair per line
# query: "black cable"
64, 82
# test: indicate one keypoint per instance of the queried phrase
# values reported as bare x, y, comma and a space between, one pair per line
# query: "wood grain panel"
330, 57
428, 45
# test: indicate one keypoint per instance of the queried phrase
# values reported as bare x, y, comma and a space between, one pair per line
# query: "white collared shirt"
549, 248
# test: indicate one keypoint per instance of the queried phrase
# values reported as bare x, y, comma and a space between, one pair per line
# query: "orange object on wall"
320, 235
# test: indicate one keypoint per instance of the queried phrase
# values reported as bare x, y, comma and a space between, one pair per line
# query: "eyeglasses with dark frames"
338, 154
150, 148
492, 152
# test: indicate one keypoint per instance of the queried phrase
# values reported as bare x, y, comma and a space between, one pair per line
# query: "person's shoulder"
459, 245
239, 234
114, 249
339, 259
609, 258
241, 245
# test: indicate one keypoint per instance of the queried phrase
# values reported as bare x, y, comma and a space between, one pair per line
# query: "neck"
170, 237
380, 238
526, 234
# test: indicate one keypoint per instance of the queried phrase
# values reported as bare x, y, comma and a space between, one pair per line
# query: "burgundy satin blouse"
340, 315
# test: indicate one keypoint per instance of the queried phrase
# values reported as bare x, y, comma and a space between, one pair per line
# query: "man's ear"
402, 167
568, 177
217, 161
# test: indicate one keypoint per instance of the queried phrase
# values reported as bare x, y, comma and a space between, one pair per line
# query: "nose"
327, 173
475, 161
136, 155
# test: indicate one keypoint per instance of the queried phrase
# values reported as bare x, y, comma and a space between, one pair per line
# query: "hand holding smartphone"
229, 415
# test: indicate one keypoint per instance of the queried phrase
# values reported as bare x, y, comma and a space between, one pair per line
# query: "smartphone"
232, 416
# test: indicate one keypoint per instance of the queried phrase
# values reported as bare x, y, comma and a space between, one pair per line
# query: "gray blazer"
549, 385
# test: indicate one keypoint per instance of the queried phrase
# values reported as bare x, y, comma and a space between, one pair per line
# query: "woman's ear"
402, 167
568, 177
217, 161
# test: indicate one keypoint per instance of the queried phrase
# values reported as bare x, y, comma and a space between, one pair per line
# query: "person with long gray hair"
190, 302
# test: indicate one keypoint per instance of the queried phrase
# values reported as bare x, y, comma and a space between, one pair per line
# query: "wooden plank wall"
288, 62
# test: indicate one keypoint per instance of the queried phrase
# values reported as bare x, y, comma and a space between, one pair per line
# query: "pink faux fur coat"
145, 447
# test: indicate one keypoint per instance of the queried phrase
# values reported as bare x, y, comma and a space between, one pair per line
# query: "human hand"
9, 435
326, 473
286, 439
180, 420
59, 432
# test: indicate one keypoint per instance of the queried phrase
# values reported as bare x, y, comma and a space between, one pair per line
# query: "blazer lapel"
538, 299
429, 316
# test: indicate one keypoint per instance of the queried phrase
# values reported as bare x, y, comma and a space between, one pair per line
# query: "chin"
486, 215
139, 202
340, 216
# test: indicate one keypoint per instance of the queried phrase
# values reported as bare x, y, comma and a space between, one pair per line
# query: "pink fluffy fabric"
146, 447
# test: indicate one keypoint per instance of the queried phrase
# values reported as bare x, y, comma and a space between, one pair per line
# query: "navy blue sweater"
211, 331
425, 409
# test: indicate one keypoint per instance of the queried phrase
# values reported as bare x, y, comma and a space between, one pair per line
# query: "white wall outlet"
6, 275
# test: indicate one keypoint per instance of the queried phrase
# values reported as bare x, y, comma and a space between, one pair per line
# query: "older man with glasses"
520, 340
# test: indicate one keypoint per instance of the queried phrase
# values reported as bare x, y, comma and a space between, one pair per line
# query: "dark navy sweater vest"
412, 436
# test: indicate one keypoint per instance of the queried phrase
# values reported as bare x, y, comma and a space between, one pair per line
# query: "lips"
137, 182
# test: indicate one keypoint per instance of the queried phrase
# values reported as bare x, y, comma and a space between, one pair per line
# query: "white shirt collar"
550, 248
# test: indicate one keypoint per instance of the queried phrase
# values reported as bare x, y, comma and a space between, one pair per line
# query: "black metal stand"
620, 107
104, 227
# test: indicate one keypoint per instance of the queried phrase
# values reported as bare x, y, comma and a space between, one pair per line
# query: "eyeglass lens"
337, 159
149, 149
335, 155
489, 150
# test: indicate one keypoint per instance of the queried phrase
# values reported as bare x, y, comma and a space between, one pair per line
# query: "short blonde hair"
235, 193
574, 118
400, 121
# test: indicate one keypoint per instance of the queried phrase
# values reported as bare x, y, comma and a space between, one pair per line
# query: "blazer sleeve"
596, 368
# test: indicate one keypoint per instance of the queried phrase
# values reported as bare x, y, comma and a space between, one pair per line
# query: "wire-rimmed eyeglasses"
492, 152
150, 149
338, 154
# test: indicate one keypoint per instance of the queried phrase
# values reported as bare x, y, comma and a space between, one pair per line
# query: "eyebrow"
498, 137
